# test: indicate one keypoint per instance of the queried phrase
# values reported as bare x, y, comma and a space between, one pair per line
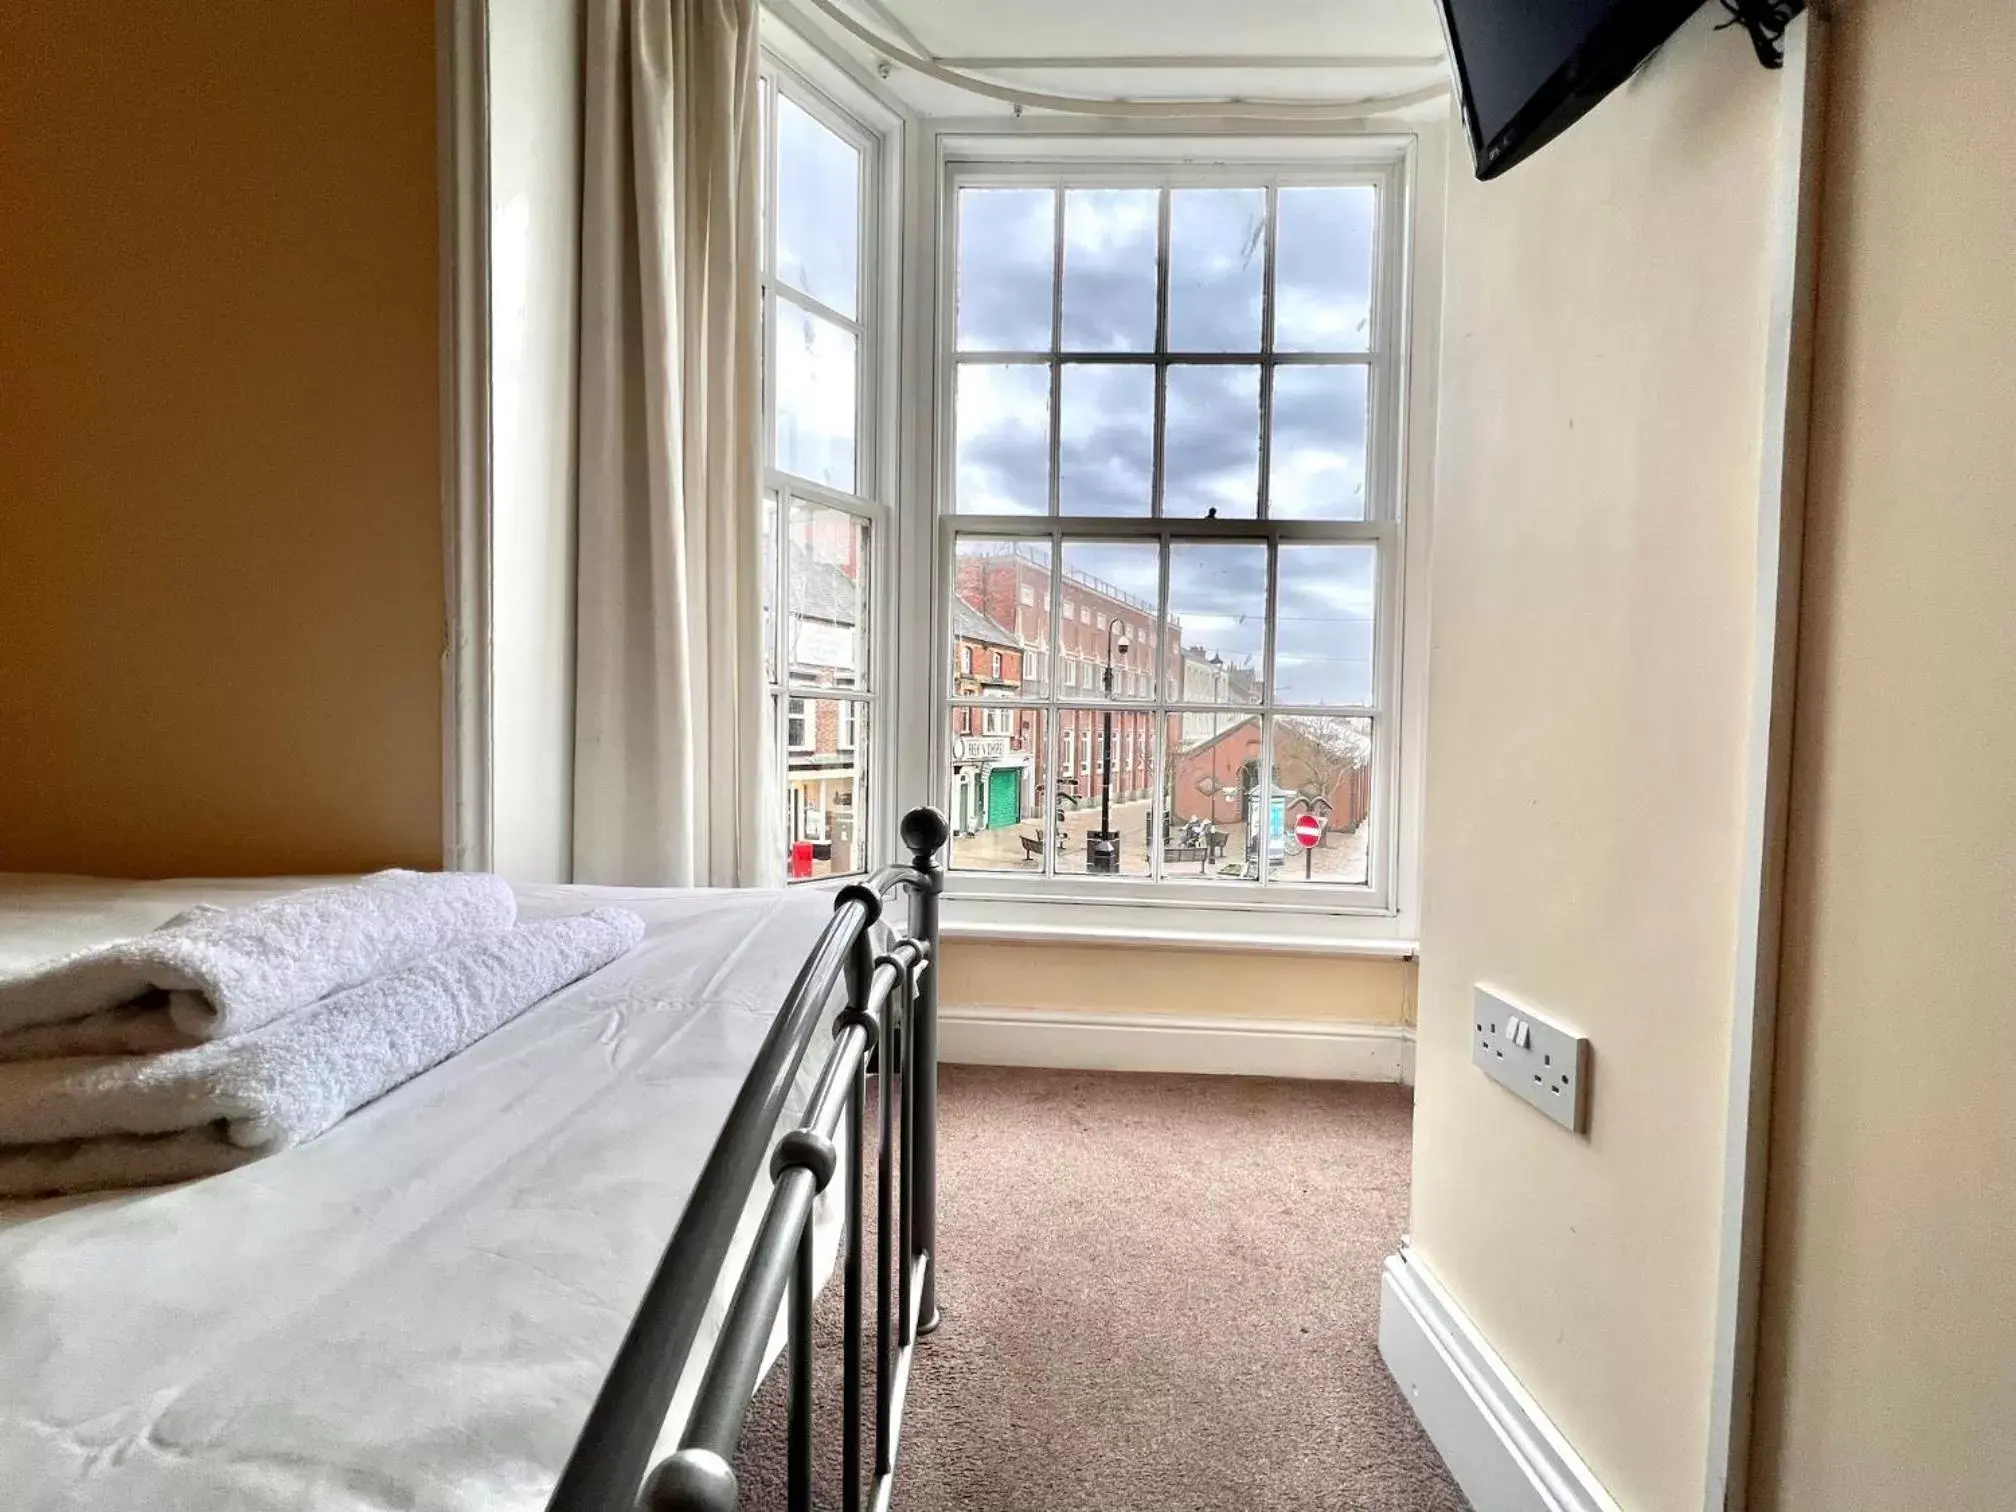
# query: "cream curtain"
671, 769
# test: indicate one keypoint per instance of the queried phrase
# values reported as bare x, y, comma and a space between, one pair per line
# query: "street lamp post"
1102, 849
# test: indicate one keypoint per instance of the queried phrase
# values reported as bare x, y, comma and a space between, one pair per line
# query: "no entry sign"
1308, 831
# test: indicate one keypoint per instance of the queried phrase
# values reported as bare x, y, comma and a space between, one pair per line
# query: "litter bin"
1102, 851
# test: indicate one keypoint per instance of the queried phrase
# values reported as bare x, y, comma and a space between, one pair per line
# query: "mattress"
415, 1310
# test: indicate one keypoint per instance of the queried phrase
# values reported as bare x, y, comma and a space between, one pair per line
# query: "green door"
1004, 797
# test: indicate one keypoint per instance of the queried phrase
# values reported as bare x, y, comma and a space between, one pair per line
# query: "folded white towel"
141, 1027
228, 971
81, 1124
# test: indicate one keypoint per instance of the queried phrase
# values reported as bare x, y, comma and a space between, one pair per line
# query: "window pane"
828, 570
1007, 259
1109, 269
1000, 609
1211, 792
1216, 260
1000, 769
769, 586
1323, 270
1316, 457
1324, 767
815, 397
1114, 751
763, 172
1003, 448
1110, 592
1106, 439
818, 210
1323, 626
826, 814
1217, 622
1211, 443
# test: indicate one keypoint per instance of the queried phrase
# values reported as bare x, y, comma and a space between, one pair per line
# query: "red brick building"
1009, 585
1320, 765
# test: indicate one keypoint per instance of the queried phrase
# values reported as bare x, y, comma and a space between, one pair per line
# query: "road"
1340, 858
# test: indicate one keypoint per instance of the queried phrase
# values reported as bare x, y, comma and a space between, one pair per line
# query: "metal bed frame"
890, 1024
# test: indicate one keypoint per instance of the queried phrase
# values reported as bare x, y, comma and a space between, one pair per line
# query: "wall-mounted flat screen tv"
1527, 70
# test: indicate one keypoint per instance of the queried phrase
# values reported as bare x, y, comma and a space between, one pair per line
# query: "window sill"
1366, 936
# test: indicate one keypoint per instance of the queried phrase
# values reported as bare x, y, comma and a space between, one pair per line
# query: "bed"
465, 1296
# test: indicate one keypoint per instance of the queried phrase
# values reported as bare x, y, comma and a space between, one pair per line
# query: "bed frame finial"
924, 833
693, 1480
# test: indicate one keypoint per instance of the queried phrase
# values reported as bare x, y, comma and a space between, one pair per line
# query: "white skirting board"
1309, 1050
1494, 1438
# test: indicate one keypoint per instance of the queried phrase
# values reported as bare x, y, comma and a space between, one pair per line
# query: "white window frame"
1381, 919
834, 95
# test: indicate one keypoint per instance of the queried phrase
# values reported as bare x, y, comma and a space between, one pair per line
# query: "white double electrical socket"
1545, 1064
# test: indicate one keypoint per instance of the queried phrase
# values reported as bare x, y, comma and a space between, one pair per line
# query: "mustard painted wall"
1184, 983
221, 625
1888, 1374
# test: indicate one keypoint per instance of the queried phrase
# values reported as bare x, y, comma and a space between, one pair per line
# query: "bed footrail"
889, 1025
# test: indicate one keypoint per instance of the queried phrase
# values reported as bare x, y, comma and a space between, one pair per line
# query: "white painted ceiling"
1129, 28
1158, 49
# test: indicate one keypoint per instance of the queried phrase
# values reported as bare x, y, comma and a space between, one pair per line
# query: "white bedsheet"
415, 1310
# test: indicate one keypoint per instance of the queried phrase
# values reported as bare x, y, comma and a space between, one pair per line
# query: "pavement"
1340, 858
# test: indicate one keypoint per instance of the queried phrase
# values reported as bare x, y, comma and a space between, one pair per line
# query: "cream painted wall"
221, 626
1888, 1374
1591, 621
534, 57
1185, 983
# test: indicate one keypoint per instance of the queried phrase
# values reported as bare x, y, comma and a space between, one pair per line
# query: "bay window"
1146, 401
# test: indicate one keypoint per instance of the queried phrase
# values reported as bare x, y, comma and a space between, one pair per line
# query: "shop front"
990, 783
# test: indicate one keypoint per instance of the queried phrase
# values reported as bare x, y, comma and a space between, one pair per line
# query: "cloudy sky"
818, 209
1217, 263
1106, 419
818, 254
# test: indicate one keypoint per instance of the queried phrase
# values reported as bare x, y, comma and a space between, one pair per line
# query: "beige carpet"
1160, 1294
